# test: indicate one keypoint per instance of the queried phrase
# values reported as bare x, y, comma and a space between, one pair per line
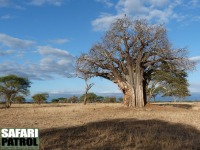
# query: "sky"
40, 39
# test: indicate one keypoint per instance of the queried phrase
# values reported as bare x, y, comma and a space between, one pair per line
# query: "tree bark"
85, 98
139, 88
8, 102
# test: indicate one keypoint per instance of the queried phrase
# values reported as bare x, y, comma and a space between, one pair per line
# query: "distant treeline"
92, 98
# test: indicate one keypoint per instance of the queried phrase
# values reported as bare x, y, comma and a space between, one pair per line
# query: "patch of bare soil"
104, 126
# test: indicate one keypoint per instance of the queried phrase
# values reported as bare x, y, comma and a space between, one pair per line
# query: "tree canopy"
129, 54
40, 97
11, 86
168, 83
91, 97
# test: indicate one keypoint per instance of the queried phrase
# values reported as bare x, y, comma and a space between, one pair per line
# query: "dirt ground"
51, 117
47, 116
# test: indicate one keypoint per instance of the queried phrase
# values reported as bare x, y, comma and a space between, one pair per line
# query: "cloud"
196, 18
104, 21
106, 2
6, 52
13, 42
158, 3
54, 62
196, 58
159, 11
10, 3
6, 17
4, 3
59, 41
49, 2
21, 4
47, 50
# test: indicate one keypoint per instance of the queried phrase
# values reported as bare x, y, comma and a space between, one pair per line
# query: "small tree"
19, 99
40, 98
171, 83
100, 99
88, 86
91, 97
110, 100
12, 85
73, 99
59, 100
178, 87
55, 100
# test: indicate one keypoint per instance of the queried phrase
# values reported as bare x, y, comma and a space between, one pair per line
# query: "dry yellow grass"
109, 126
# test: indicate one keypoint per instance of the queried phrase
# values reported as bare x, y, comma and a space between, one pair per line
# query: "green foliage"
19, 99
12, 85
55, 100
91, 97
99, 99
59, 100
169, 83
110, 100
73, 99
178, 86
40, 97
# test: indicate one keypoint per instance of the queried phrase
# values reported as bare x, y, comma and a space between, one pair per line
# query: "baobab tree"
129, 53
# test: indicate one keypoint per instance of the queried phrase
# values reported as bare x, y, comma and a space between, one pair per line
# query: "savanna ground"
109, 126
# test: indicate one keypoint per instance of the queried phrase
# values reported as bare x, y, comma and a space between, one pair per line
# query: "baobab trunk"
129, 93
129, 97
139, 88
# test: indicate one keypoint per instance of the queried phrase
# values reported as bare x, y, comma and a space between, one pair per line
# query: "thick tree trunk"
139, 88
129, 97
125, 88
139, 95
8, 102
134, 90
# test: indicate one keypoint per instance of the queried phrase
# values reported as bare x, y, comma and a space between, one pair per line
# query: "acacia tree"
177, 87
12, 85
73, 99
91, 97
40, 97
168, 83
128, 54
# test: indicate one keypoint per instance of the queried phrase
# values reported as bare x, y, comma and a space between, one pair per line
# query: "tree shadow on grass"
127, 134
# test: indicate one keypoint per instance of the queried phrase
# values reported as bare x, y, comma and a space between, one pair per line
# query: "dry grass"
109, 126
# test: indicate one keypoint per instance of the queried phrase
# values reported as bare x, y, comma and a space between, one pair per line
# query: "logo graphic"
19, 139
